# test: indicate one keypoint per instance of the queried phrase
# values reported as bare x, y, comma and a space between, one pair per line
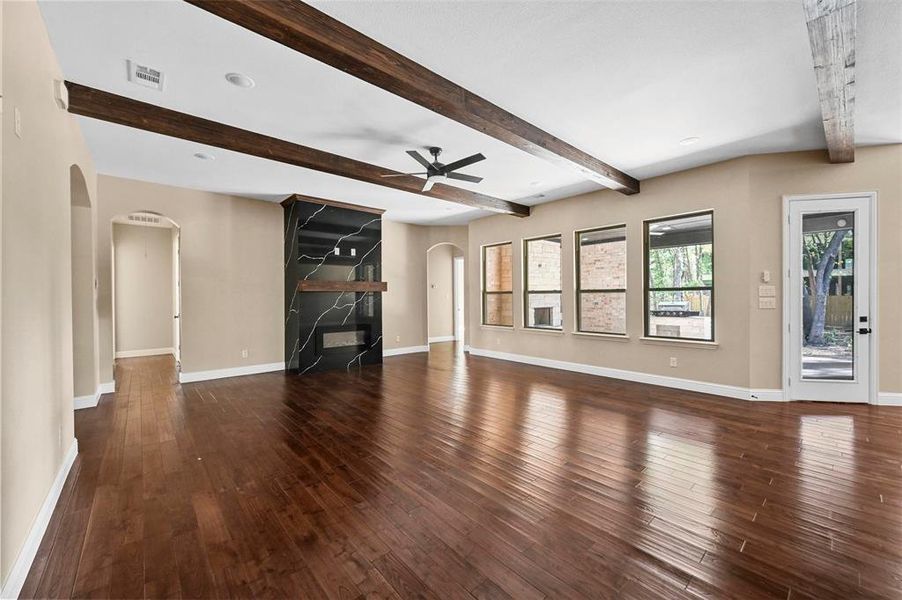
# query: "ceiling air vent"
140, 218
144, 75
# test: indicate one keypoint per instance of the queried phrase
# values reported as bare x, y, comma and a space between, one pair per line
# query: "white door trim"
873, 314
457, 289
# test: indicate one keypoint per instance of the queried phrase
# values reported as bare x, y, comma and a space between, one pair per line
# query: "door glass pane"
828, 301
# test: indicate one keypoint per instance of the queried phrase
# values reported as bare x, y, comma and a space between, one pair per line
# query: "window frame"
646, 278
526, 290
485, 293
578, 288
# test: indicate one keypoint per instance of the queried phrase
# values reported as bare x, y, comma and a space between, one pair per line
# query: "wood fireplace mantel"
342, 286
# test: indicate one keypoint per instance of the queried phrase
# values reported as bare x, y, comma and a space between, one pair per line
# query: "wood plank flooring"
439, 476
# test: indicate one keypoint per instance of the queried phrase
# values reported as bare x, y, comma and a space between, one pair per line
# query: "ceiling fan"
436, 171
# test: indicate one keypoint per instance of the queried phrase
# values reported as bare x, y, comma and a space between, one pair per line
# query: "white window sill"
607, 336
501, 327
676, 342
540, 330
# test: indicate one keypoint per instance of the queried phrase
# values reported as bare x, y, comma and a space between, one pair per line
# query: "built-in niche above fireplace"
333, 285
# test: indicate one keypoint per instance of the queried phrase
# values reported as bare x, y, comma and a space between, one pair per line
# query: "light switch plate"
767, 303
767, 291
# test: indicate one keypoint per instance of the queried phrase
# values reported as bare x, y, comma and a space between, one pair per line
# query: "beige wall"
36, 390
440, 290
746, 195
143, 280
404, 267
231, 268
876, 169
723, 187
83, 352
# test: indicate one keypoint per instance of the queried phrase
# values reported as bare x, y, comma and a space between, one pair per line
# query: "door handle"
864, 330
177, 316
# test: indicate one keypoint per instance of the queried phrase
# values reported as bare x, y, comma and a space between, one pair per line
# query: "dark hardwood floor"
440, 476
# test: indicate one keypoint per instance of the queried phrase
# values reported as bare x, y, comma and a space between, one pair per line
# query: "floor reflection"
452, 476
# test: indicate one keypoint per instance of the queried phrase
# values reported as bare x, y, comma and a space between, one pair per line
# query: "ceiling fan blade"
430, 181
420, 158
462, 163
401, 174
462, 177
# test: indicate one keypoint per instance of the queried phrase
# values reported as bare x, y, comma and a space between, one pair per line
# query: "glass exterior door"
829, 289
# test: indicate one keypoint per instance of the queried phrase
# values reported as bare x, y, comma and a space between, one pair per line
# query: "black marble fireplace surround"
332, 245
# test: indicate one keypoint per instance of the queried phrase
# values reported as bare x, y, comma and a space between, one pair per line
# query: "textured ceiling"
624, 81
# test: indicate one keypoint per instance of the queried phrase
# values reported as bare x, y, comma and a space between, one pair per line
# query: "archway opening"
146, 286
81, 223
445, 311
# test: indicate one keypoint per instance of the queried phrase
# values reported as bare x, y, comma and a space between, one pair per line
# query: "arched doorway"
146, 286
84, 368
445, 279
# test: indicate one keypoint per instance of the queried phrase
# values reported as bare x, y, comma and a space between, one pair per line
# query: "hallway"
447, 476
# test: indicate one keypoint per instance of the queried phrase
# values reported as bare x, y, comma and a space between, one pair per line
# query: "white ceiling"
624, 81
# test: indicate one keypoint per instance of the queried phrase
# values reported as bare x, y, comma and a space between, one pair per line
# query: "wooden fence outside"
839, 311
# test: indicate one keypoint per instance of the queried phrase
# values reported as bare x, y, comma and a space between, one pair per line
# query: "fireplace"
333, 287
340, 340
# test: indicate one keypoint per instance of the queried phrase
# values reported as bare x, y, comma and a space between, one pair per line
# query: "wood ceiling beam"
831, 32
97, 104
309, 31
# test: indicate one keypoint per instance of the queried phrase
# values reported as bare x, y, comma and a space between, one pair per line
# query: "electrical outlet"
397, 338
673, 361
244, 353
497, 341
17, 119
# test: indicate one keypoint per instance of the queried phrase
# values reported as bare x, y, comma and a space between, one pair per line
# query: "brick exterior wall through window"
544, 274
498, 278
602, 266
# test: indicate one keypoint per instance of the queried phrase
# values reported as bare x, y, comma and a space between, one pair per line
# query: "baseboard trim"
766, 395
405, 350
889, 399
704, 387
441, 338
89, 401
92, 401
29, 550
230, 372
147, 352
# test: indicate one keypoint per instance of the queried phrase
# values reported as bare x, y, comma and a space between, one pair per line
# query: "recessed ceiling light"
534, 183
240, 80
204, 156
689, 141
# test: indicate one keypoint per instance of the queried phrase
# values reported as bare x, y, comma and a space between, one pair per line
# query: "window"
679, 277
542, 277
497, 286
601, 280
